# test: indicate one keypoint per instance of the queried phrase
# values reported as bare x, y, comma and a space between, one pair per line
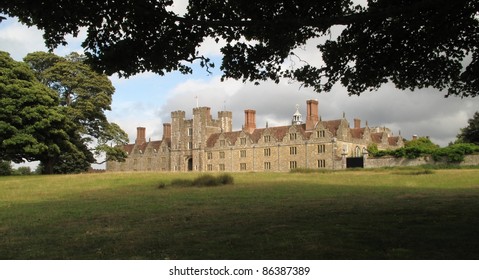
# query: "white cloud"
19, 40
179, 6
147, 99
423, 112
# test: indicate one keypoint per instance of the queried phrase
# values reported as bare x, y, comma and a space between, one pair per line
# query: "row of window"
267, 152
266, 165
267, 138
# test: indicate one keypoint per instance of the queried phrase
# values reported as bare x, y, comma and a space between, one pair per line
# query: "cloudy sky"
147, 99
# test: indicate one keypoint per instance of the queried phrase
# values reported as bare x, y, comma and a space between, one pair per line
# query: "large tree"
32, 125
412, 43
84, 95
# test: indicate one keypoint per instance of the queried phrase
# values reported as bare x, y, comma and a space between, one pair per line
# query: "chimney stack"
166, 131
357, 123
311, 114
140, 136
249, 120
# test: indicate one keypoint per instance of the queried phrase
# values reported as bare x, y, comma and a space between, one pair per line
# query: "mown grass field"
381, 214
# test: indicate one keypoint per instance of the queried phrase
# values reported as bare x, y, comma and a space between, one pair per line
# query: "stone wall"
392, 161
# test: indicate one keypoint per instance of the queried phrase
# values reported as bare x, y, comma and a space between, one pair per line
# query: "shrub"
206, 180
225, 179
5, 168
23, 170
456, 152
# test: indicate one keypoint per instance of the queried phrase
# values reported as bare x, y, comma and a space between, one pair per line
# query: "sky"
148, 99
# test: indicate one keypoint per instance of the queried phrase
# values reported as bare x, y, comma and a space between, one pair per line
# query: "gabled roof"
332, 126
357, 132
377, 137
230, 136
393, 141
128, 148
155, 144
278, 132
142, 147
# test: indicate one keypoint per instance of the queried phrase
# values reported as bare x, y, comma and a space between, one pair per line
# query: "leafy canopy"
32, 125
85, 96
412, 43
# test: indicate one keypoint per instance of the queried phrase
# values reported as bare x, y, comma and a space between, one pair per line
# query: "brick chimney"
140, 136
249, 120
357, 123
166, 130
311, 114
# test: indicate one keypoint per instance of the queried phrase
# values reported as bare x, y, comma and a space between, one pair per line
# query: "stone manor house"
207, 144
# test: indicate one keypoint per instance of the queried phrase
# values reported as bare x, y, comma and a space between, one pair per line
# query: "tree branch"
363, 16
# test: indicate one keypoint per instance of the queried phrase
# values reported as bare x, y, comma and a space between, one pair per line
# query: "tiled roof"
278, 132
212, 139
232, 136
155, 144
332, 126
142, 147
357, 132
377, 137
128, 148
393, 141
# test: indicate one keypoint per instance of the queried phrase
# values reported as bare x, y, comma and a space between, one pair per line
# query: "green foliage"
32, 125
5, 168
470, 134
225, 179
413, 44
424, 147
23, 170
373, 149
84, 96
55, 127
455, 152
206, 180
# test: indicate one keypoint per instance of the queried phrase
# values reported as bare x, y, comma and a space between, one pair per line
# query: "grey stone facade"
206, 144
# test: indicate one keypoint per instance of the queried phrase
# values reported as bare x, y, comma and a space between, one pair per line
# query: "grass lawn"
380, 214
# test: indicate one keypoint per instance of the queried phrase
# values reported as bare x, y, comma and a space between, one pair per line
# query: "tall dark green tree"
411, 43
470, 133
32, 125
85, 96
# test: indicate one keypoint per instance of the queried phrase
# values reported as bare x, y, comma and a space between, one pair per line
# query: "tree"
412, 43
84, 95
470, 134
32, 125
5, 168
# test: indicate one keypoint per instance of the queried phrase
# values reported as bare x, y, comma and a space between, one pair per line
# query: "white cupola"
297, 118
